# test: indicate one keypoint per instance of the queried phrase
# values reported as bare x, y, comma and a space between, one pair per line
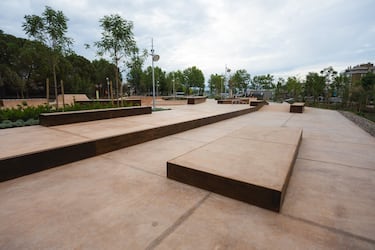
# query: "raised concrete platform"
297, 107
196, 99
252, 164
134, 130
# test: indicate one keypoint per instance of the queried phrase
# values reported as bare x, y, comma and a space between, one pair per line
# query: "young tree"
263, 82
294, 86
194, 78
241, 79
50, 28
314, 85
117, 40
215, 84
135, 65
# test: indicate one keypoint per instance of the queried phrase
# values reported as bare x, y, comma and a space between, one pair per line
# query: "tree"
329, 75
194, 78
340, 87
262, 82
241, 80
294, 87
364, 90
280, 89
215, 83
117, 40
135, 65
50, 29
314, 85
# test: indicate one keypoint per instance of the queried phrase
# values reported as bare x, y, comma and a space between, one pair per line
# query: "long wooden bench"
297, 107
252, 164
196, 99
61, 118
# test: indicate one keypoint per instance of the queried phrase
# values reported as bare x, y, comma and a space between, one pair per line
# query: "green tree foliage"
22, 60
215, 83
329, 75
50, 29
364, 91
193, 78
280, 89
294, 87
240, 80
135, 65
314, 85
160, 81
117, 40
340, 87
103, 74
263, 82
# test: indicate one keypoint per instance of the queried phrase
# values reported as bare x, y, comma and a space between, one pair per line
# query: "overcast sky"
280, 37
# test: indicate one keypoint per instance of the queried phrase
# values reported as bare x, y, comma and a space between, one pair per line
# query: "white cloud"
261, 36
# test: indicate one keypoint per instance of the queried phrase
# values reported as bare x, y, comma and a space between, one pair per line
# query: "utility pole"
154, 58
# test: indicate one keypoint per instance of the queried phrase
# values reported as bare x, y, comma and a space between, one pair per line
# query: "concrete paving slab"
101, 203
340, 195
251, 164
223, 223
347, 154
151, 156
93, 204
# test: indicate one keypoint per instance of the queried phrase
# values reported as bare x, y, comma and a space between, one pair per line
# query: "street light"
154, 58
108, 86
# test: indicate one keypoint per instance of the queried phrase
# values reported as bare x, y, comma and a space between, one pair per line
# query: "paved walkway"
122, 200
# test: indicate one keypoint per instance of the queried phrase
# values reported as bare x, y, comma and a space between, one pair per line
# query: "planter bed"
61, 118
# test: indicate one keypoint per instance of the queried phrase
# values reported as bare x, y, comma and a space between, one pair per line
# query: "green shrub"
6, 124
19, 123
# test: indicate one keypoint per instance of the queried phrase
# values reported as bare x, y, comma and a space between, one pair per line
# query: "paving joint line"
284, 124
177, 223
335, 163
331, 229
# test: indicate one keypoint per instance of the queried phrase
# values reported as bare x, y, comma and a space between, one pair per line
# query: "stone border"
17, 166
62, 118
361, 122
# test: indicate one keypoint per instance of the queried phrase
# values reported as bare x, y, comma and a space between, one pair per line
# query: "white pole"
153, 74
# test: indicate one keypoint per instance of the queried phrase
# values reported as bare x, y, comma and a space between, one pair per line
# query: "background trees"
193, 78
262, 82
240, 80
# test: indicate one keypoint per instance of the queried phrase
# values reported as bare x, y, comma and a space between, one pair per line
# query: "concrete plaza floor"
123, 200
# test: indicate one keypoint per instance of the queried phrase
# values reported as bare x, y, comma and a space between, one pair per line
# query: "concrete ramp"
252, 164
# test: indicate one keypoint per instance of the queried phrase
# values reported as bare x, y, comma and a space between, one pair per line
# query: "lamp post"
108, 86
154, 58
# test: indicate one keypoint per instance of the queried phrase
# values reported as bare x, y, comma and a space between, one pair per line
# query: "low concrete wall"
61, 118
